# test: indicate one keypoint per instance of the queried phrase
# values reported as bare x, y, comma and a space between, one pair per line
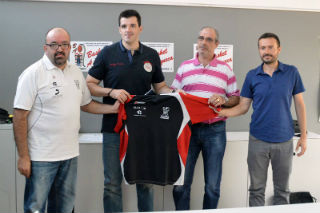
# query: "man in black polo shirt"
126, 68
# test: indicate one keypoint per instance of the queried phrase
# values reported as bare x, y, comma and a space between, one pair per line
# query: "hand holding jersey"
119, 94
157, 127
206, 76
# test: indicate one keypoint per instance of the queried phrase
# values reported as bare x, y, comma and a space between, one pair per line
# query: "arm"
240, 109
96, 90
20, 129
99, 108
218, 100
301, 116
161, 88
233, 100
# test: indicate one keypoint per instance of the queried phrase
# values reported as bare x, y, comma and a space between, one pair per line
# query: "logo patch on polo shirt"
147, 66
77, 83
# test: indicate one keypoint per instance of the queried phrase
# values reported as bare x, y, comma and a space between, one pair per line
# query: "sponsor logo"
139, 102
140, 111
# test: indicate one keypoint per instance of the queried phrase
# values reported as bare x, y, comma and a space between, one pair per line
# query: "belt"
206, 124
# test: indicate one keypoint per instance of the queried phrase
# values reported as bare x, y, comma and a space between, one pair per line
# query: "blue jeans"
211, 140
53, 183
112, 195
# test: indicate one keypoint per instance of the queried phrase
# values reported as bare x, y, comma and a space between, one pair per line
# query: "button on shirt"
271, 120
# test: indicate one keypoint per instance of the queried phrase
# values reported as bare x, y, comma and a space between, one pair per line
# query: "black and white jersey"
155, 135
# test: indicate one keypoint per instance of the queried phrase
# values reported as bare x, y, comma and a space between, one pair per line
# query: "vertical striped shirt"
215, 78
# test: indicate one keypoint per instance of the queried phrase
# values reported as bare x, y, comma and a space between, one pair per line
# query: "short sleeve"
232, 88
26, 90
99, 68
86, 95
246, 90
177, 82
158, 75
298, 86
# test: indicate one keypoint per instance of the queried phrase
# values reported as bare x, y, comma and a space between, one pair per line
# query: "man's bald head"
57, 46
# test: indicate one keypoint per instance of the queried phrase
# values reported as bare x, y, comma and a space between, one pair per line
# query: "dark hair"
128, 14
269, 35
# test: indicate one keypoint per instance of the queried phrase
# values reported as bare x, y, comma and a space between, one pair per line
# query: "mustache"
267, 55
203, 46
62, 53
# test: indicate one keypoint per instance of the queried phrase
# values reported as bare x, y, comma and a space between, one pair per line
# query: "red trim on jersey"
124, 138
197, 109
193, 104
122, 115
183, 144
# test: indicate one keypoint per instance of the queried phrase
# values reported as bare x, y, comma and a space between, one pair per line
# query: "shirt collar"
212, 63
49, 64
281, 66
261, 72
123, 49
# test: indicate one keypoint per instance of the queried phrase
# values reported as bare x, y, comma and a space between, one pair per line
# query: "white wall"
298, 5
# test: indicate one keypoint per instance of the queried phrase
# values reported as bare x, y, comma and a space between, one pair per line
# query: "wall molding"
291, 5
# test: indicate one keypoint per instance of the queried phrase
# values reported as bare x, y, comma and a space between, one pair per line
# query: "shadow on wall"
319, 78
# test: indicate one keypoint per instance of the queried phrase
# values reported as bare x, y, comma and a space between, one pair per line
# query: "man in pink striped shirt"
206, 76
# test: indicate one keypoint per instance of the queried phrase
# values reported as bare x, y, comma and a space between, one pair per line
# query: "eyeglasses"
55, 46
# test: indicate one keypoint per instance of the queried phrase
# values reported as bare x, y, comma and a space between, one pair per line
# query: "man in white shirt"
46, 123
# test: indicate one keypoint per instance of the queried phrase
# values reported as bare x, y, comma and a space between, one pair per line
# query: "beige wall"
306, 5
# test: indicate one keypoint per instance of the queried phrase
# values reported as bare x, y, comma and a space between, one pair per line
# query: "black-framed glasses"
55, 46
